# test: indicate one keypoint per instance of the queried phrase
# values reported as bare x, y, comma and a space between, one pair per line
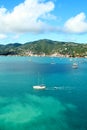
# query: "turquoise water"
63, 108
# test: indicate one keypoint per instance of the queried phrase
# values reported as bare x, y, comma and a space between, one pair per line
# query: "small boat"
75, 66
53, 63
39, 87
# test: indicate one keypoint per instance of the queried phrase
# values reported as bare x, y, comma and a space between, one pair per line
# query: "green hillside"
46, 47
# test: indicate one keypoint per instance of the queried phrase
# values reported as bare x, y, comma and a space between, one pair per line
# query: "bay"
23, 108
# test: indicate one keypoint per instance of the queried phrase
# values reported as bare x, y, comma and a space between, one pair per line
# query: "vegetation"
46, 47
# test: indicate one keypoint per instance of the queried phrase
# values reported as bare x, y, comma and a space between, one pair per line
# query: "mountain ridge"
45, 47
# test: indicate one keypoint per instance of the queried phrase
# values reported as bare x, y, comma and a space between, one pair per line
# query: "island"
45, 47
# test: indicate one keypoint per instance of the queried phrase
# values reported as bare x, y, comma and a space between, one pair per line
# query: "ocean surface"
61, 106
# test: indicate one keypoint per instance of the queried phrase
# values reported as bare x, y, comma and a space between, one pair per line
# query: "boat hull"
39, 87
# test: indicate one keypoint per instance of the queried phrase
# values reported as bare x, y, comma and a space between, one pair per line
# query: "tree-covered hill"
46, 47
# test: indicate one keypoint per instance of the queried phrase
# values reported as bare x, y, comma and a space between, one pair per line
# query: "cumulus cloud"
77, 24
3, 36
33, 16
26, 17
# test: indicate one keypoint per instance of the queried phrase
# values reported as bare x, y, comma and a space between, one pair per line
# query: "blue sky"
29, 20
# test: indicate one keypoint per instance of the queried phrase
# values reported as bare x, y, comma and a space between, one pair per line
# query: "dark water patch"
34, 67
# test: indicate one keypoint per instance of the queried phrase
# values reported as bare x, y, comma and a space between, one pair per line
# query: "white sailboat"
39, 86
75, 66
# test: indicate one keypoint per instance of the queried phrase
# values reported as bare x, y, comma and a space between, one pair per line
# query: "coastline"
52, 55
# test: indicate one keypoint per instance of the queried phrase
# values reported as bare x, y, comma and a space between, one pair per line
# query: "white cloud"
2, 36
15, 36
26, 17
77, 24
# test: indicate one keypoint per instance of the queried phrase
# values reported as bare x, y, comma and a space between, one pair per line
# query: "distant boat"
75, 66
39, 87
53, 63
30, 60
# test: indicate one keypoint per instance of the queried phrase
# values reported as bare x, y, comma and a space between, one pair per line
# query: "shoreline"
54, 56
